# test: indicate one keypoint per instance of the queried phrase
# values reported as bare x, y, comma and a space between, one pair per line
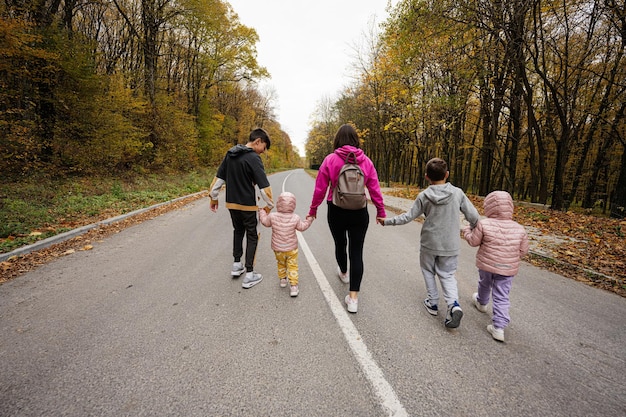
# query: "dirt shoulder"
586, 248
17, 265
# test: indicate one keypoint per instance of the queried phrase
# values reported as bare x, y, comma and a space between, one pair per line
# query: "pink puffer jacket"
284, 223
503, 242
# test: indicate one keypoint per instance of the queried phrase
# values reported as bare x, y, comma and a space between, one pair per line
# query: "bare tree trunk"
486, 150
519, 11
150, 25
562, 155
618, 198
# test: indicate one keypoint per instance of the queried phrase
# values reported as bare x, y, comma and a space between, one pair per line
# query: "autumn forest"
527, 96
91, 87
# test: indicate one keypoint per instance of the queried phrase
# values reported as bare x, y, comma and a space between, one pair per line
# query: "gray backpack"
349, 193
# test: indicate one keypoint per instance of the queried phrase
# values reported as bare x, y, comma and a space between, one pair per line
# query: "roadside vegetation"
37, 208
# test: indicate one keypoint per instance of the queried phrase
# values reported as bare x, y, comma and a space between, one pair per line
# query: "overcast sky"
307, 47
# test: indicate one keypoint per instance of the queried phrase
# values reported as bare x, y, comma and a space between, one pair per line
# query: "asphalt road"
150, 323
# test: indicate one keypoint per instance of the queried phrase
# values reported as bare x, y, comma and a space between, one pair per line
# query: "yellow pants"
287, 263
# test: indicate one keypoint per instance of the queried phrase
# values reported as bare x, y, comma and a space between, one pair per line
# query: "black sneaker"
454, 316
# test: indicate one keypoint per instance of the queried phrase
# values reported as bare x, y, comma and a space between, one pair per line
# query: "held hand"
214, 205
267, 209
311, 218
380, 221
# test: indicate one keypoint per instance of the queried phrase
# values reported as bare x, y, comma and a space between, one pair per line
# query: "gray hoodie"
440, 205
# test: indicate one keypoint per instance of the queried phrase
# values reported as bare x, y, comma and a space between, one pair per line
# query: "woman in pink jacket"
347, 225
284, 224
503, 242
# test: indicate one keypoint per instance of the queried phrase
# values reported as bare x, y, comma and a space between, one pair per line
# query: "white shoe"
352, 305
294, 291
343, 276
283, 282
480, 307
251, 279
237, 269
497, 334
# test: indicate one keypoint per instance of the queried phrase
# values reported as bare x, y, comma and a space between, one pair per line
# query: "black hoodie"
242, 169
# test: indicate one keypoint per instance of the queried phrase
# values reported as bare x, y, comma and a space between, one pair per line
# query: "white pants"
443, 267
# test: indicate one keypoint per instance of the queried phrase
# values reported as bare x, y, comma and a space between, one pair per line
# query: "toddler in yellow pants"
284, 223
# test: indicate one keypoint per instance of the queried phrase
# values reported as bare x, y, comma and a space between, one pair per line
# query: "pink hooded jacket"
503, 242
329, 173
284, 223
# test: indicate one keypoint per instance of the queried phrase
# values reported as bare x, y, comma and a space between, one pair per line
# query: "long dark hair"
346, 135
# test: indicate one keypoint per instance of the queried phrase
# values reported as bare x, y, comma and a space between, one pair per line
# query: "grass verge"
34, 209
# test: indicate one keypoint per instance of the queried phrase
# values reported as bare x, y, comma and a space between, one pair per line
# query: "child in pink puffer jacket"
284, 224
503, 242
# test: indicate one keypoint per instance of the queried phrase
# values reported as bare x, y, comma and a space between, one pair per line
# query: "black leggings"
348, 228
244, 223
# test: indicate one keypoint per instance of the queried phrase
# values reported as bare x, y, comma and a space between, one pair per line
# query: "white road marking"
387, 396
285, 181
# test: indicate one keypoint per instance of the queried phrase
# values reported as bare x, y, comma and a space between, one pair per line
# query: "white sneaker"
343, 276
497, 334
294, 291
480, 307
283, 282
251, 279
352, 305
238, 269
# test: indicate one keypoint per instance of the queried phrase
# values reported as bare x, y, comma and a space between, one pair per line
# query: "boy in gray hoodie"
440, 204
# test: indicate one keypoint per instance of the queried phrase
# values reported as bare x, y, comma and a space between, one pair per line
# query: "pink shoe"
294, 291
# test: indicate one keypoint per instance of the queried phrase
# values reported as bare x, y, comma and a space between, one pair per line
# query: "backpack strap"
351, 158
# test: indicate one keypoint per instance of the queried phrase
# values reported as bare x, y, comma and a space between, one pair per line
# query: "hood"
346, 149
499, 205
286, 203
439, 194
238, 150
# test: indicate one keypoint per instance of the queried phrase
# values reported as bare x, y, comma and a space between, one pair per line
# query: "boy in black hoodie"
242, 169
